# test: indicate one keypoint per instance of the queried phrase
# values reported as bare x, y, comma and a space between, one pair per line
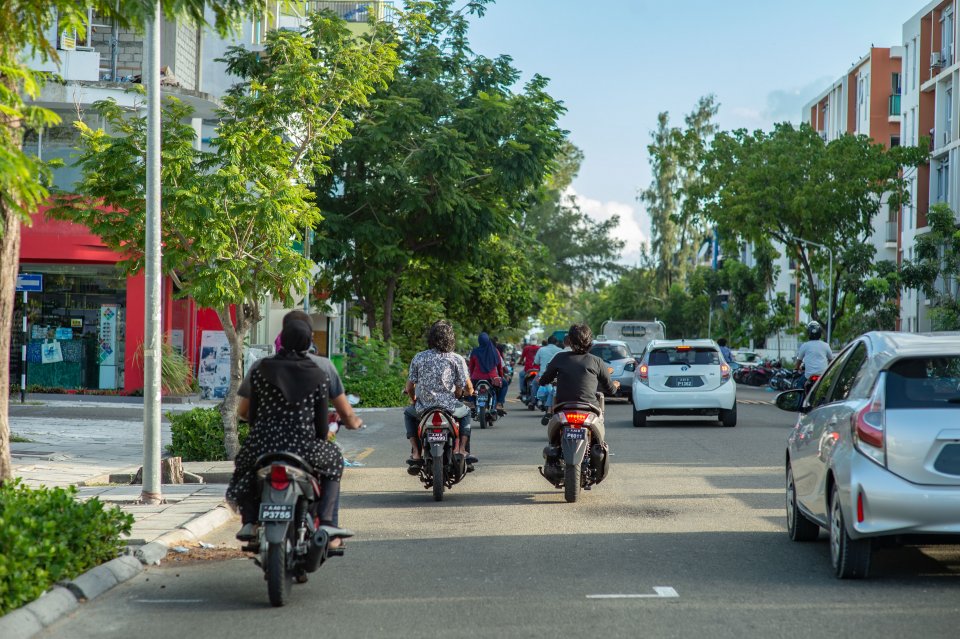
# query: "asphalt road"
689, 508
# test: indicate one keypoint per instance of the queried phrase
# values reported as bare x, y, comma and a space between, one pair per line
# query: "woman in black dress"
288, 409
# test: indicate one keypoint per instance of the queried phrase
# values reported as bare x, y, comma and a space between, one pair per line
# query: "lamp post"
830, 277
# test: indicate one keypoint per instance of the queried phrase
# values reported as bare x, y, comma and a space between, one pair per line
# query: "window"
946, 36
943, 181
610, 352
674, 356
907, 69
793, 294
850, 374
894, 140
895, 83
947, 115
923, 382
821, 392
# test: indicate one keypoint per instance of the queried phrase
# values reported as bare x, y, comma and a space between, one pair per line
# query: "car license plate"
684, 382
437, 437
276, 512
575, 434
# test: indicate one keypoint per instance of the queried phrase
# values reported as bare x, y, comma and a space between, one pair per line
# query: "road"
689, 508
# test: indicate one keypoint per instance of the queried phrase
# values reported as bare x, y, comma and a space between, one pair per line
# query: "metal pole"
830, 299
151, 338
23, 354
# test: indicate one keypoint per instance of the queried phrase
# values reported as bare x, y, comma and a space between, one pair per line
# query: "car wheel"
799, 528
728, 418
850, 557
639, 418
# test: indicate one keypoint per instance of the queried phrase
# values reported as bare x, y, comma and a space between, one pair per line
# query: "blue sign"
30, 283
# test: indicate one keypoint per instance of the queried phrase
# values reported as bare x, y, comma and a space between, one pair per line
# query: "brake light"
680, 349
859, 508
576, 418
437, 419
278, 477
438, 430
724, 372
869, 425
644, 374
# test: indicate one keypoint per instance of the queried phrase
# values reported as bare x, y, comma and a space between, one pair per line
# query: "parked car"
746, 358
875, 452
684, 377
621, 363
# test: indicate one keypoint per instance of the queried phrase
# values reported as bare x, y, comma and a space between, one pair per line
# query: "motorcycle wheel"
482, 416
571, 482
437, 479
279, 578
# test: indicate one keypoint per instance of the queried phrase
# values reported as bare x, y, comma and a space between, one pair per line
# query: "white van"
636, 334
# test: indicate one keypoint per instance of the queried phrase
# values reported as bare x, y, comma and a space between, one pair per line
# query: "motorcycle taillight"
437, 419
278, 477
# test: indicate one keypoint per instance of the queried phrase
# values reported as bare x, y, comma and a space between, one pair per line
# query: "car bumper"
895, 506
647, 399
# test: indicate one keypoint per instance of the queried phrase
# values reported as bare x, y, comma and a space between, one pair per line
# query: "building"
87, 312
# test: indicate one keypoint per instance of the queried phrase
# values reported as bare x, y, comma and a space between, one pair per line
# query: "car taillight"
437, 419
576, 418
869, 426
278, 477
644, 374
724, 373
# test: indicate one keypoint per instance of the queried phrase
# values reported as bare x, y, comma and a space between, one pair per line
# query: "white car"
684, 377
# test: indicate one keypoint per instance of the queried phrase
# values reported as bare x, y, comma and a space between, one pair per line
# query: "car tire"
799, 528
728, 418
639, 418
850, 557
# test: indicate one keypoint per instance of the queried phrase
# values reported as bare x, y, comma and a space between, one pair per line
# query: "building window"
943, 181
906, 68
894, 141
946, 36
947, 116
793, 295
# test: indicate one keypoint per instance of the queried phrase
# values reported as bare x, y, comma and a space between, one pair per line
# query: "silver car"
875, 451
620, 363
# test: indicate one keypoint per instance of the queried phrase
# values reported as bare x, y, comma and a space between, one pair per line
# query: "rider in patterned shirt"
438, 378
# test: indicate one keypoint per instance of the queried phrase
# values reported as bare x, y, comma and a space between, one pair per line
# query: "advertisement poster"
213, 372
107, 347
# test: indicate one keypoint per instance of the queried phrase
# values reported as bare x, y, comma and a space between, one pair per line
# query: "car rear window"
924, 382
684, 355
610, 352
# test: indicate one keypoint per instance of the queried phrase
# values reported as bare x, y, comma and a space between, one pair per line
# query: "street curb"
29, 620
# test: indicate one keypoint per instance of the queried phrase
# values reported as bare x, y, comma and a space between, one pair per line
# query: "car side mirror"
791, 401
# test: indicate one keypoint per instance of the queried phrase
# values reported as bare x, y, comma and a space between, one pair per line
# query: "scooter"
442, 468
578, 462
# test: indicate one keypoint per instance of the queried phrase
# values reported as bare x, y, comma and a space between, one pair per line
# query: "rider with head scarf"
286, 398
487, 364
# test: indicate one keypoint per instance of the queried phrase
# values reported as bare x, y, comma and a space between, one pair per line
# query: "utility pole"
152, 339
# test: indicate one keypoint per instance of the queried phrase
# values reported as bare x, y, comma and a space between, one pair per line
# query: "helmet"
814, 330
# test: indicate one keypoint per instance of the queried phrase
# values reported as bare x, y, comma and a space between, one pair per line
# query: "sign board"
30, 283
107, 347
213, 371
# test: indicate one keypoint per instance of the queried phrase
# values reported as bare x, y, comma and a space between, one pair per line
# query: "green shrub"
176, 372
46, 535
379, 392
375, 373
197, 434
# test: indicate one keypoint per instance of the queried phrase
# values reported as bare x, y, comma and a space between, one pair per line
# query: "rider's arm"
550, 374
345, 410
243, 408
410, 391
606, 384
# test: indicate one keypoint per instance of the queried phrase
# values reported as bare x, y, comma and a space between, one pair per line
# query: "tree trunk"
812, 291
9, 266
236, 334
388, 299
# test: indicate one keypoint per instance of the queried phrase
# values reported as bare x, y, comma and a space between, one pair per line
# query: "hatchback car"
684, 377
620, 362
875, 452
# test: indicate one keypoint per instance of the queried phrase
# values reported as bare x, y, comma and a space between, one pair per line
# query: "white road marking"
166, 601
664, 592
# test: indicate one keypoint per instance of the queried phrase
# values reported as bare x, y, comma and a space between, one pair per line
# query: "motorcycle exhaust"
318, 551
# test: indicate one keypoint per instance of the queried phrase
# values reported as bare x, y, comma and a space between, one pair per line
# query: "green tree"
230, 213
444, 158
788, 185
26, 24
935, 269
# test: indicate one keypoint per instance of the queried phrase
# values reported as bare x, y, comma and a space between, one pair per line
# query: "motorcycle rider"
438, 378
725, 350
579, 375
814, 354
486, 364
526, 358
542, 359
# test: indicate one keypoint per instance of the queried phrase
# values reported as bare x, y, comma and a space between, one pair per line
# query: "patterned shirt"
437, 376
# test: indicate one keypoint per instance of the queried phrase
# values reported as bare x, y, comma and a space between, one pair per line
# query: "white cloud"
634, 226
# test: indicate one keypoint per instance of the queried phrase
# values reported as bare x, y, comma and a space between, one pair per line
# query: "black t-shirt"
578, 377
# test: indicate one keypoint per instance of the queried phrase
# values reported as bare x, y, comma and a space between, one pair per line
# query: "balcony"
293, 15
894, 106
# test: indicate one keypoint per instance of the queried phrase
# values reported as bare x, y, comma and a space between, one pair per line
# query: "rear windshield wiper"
954, 400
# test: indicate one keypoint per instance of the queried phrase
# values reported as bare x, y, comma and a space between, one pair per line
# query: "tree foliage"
935, 269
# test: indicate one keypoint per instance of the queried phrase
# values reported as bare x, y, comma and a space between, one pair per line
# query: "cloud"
633, 229
781, 105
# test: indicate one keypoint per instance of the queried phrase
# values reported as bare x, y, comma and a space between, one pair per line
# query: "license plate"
482, 400
684, 382
436, 437
575, 434
276, 512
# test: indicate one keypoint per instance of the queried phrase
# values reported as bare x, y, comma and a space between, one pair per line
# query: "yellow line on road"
363, 454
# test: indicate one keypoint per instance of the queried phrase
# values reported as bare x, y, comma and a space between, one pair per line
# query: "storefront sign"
76, 322
30, 283
64, 333
107, 349
213, 374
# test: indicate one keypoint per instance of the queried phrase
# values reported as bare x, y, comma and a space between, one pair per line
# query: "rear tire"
482, 416
639, 418
728, 418
571, 482
437, 479
279, 578
799, 528
850, 557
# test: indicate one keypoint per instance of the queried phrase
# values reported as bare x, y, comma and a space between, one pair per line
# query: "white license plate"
575, 434
482, 400
436, 437
276, 512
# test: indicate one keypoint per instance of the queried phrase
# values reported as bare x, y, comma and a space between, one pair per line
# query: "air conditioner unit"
936, 60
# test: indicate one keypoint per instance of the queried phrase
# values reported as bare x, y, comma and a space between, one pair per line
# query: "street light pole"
152, 487
830, 283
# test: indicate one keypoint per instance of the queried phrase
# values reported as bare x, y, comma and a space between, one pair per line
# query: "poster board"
213, 369
107, 346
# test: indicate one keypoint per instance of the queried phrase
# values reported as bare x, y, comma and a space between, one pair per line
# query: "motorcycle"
577, 463
438, 432
785, 379
291, 541
526, 388
486, 403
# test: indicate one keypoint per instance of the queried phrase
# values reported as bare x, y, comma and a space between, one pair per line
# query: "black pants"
325, 508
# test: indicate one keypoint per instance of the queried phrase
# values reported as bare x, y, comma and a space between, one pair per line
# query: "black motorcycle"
486, 402
526, 389
441, 468
578, 462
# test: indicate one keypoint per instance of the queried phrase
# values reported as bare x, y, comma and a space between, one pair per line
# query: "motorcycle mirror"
353, 400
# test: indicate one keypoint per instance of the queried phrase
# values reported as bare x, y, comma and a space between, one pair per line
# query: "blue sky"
617, 63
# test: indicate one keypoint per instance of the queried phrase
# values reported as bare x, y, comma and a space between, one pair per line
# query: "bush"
197, 434
375, 373
48, 536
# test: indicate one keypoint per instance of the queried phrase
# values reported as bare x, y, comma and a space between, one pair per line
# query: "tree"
935, 269
231, 212
788, 185
444, 158
23, 178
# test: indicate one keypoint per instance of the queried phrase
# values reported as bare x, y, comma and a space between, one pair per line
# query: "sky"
616, 64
